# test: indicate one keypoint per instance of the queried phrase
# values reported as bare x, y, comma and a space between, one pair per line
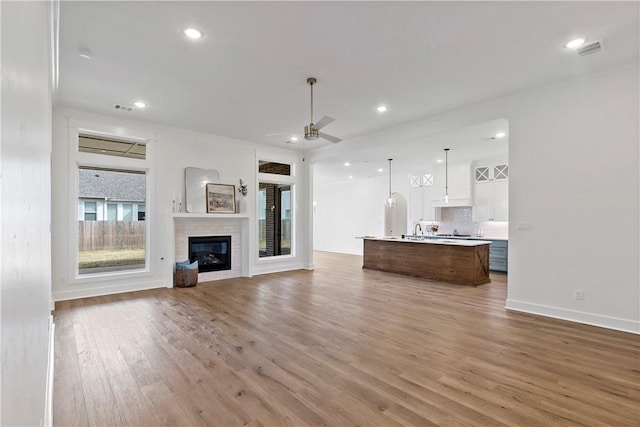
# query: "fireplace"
213, 253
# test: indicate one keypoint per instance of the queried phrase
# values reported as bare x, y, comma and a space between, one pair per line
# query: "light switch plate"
524, 226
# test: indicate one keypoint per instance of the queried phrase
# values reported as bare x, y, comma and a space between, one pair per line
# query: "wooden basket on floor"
186, 278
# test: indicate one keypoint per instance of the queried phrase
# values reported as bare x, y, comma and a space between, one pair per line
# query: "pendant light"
391, 201
446, 175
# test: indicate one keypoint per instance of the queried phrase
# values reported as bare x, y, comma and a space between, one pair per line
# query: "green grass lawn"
110, 258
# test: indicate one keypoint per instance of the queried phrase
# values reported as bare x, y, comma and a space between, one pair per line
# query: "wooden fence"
96, 235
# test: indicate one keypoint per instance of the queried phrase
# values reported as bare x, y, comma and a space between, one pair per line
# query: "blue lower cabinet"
498, 252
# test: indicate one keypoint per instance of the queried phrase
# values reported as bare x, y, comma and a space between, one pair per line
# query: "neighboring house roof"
111, 185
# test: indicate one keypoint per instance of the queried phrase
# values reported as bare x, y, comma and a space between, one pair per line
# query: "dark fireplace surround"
212, 252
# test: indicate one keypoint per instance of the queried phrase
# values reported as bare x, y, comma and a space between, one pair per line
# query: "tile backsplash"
460, 219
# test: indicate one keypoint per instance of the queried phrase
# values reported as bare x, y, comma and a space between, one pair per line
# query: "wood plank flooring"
337, 346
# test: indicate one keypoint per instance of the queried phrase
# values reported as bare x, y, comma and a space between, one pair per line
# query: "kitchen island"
464, 262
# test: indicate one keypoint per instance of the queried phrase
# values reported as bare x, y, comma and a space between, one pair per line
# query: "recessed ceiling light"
347, 164
350, 176
575, 43
439, 161
192, 33
139, 104
500, 135
380, 170
294, 138
382, 108
85, 53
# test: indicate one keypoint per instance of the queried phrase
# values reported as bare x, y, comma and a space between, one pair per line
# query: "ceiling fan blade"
331, 138
323, 122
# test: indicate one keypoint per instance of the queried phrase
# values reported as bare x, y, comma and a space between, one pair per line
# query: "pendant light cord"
390, 178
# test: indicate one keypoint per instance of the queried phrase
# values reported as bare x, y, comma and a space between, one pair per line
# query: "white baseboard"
106, 290
575, 316
48, 407
277, 268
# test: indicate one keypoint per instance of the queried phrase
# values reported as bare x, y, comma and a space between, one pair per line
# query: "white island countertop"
419, 241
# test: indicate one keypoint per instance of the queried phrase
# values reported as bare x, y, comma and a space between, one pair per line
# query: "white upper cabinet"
421, 195
491, 192
488, 173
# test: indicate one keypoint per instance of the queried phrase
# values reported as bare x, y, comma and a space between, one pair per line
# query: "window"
112, 212
111, 146
114, 240
127, 212
90, 211
274, 168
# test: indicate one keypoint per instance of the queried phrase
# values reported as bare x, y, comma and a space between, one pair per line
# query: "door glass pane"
106, 244
482, 174
262, 221
501, 172
274, 219
285, 221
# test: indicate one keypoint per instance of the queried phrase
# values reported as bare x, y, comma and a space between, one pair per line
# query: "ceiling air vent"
123, 107
590, 48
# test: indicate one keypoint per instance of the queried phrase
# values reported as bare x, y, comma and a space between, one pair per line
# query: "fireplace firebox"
213, 253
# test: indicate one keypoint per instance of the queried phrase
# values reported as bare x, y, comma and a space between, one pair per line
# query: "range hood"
453, 203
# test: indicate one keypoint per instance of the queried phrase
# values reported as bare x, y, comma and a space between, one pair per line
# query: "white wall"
348, 209
574, 176
25, 278
171, 151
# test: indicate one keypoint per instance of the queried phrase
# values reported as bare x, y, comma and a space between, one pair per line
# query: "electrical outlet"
579, 295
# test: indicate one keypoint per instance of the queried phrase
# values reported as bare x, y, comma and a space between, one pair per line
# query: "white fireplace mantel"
209, 215
237, 225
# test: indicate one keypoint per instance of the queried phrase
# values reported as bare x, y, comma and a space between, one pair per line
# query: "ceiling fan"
312, 131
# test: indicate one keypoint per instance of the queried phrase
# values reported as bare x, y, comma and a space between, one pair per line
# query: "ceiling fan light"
311, 134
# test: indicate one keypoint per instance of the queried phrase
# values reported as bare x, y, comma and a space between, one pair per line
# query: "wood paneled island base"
460, 262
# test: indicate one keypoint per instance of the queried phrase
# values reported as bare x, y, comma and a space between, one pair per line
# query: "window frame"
289, 180
77, 160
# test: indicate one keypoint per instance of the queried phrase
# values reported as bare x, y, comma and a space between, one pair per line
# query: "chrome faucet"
415, 232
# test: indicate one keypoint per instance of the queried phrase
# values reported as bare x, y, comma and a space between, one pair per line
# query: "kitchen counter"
420, 236
462, 241
464, 262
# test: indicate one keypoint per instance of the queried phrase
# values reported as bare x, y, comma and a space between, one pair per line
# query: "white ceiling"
246, 78
418, 155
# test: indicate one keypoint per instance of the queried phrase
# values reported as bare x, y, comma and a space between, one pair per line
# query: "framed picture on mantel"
221, 198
